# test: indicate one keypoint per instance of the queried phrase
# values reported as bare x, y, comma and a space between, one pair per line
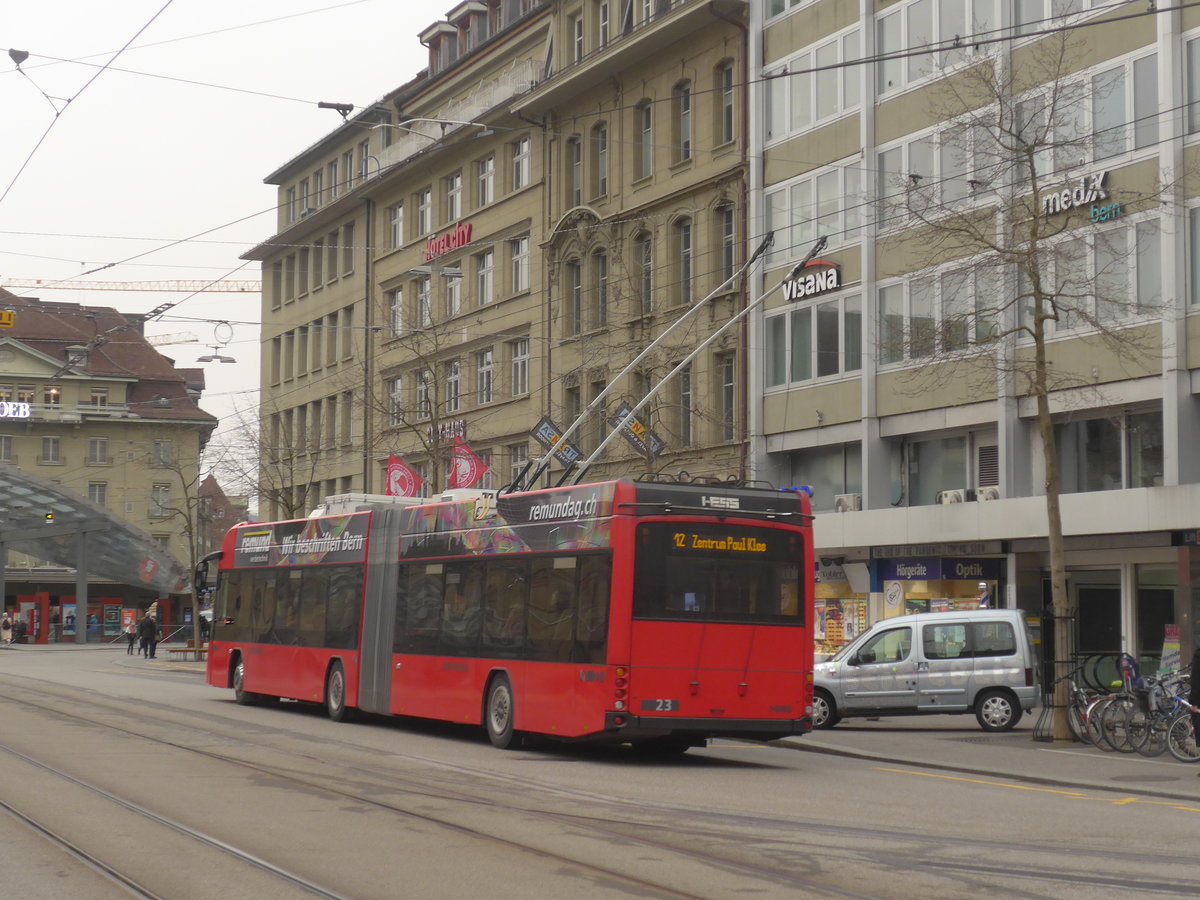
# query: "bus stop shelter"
56, 524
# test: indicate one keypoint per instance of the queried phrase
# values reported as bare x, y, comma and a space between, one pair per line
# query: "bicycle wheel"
1092, 719
1114, 724
1181, 739
1154, 741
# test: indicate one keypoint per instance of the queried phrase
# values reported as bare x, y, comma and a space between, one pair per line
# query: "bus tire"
335, 693
241, 696
499, 714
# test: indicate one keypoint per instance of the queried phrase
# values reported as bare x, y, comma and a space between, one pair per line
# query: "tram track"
793, 843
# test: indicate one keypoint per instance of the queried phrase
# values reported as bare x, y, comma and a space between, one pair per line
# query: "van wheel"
997, 711
825, 714
499, 714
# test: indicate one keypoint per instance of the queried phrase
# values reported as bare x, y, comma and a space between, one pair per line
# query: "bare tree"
1014, 248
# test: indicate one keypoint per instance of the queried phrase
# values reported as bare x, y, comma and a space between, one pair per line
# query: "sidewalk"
957, 745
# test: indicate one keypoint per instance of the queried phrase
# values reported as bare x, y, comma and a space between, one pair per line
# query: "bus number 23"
660, 705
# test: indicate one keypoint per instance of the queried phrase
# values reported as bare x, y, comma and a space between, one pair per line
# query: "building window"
52, 396
318, 264
98, 451
574, 289
25, 393
518, 458
486, 179
1120, 451
425, 211
99, 396
396, 311
6, 448
160, 500
331, 172
686, 406
575, 27
726, 233
454, 197
453, 386
424, 383
602, 24
727, 398
293, 213
348, 168
98, 492
163, 454
829, 471
521, 162
51, 450
519, 251
348, 248
519, 354
823, 338
453, 296
682, 233
574, 171
485, 272
424, 302
396, 401
600, 160
484, 388
600, 289
644, 128
829, 203
396, 219
926, 22
821, 89
643, 258
682, 99
318, 187
725, 107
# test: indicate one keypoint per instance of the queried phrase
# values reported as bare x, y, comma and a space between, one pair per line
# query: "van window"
887, 646
993, 639
947, 641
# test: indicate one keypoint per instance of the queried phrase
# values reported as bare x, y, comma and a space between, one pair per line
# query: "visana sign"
1090, 190
828, 277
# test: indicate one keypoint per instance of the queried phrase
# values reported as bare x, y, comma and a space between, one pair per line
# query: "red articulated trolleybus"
643, 611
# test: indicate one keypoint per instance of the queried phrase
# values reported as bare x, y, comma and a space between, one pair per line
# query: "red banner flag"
402, 479
465, 467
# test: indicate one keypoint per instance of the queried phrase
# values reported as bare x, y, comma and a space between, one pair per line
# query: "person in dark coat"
1194, 696
148, 632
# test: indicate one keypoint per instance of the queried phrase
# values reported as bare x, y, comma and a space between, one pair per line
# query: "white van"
974, 661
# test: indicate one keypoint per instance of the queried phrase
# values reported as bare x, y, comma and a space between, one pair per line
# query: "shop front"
938, 584
840, 605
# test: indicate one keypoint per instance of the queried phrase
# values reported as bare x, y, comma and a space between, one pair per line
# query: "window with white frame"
485, 276
453, 296
726, 120
1120, 450
331, 175
51, 450
293, 212
424, 302
424, 383
98, 451
519, 255
726, 234
602, 24
484, 377
1031, 16
318, 187
422, 470
828, 204
600, 160
454, 189
726, 368
518, 458
98, 492
937, 313
485, 172
395, 298
163, 453
681, 233
396, 222
643, 248
6, 448
600, 289
348, 168
682, 102
812, 87
160, 500
486, 480
364, 156
453, 386
820, 339
521, 150
917, 23
574, 171
575, 29
1099, 277
425, 211
644, 130
686, 406
1125, 107
573, 285
519, 366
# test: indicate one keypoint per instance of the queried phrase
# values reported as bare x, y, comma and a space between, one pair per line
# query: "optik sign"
817, 276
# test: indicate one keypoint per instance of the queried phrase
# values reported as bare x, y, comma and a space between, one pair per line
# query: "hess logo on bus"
720, 502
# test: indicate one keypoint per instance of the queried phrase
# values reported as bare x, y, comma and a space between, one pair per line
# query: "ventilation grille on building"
987, 466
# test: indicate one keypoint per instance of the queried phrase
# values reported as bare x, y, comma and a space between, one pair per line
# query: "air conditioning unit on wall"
847, 502
988, 493
958, 495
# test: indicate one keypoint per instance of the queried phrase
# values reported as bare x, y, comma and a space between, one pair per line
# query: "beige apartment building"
105, 428
480, 252
895, 373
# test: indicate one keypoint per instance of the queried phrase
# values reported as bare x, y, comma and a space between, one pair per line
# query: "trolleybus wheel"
241, 696
498, 714
335, 693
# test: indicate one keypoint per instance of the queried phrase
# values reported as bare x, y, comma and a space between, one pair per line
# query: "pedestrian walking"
148, 632
6, 629
130, 635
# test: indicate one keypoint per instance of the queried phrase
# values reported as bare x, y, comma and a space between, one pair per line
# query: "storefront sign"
967, 548
458, 236
817, 276
939, 569
1090, 190
11, 410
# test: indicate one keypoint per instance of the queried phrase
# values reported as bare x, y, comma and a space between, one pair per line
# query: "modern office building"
897, 371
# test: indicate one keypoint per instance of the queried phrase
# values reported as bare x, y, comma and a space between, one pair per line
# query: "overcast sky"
173, 140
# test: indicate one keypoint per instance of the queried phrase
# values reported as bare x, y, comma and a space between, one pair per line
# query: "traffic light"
49, 518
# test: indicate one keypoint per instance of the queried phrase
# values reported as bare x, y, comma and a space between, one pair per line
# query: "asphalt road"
140, 767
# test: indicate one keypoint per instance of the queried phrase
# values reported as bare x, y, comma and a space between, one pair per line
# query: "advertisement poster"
112, 619
68, 618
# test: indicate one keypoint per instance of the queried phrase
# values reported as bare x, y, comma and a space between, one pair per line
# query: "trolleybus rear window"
714, 573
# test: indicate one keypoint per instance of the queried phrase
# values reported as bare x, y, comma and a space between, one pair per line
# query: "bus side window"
314, 595
422, 613
460, 608
591, 626
552, 608
505, 605
342, 610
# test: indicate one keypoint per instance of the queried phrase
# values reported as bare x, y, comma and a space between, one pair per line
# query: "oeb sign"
13, 410
817, 276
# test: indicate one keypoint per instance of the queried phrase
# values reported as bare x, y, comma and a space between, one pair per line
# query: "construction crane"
220, 286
